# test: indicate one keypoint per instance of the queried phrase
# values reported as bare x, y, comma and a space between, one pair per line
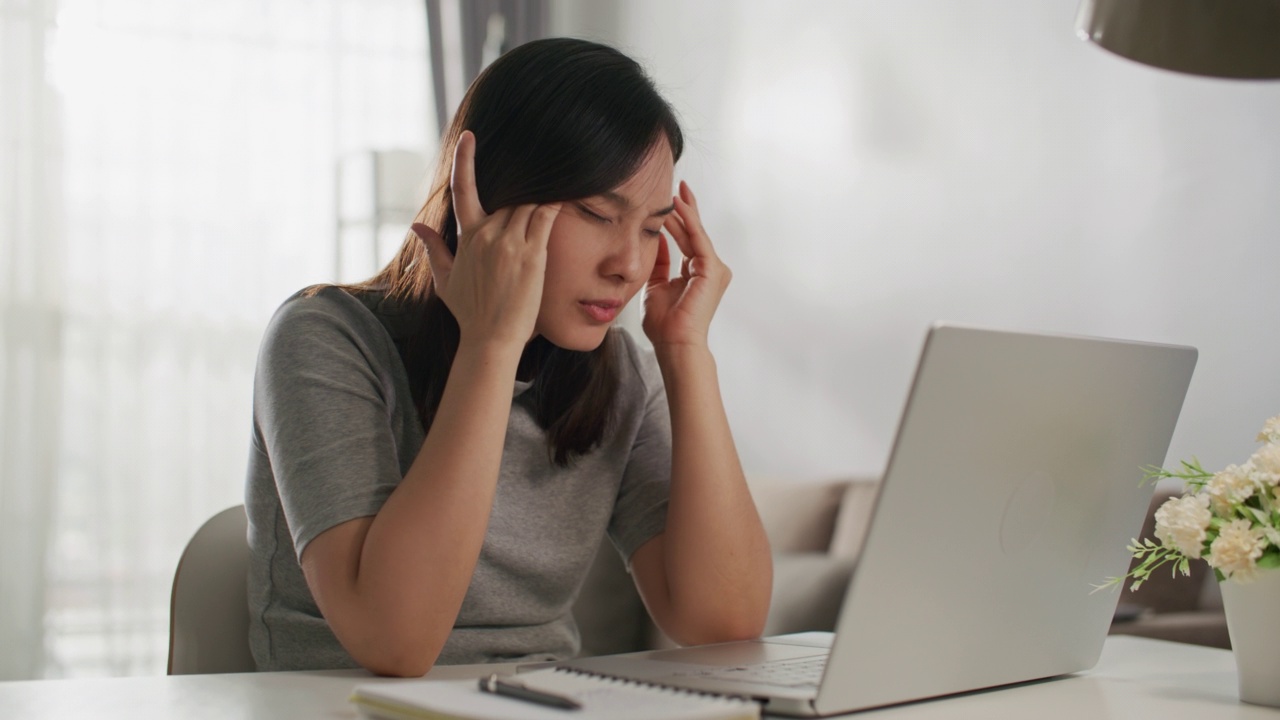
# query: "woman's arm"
708, 577
390, 586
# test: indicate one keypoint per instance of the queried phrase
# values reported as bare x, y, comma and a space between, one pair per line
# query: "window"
187, 179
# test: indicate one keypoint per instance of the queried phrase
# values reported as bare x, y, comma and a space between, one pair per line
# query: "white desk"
1136, 678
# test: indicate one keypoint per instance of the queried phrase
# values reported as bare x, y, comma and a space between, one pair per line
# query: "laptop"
1014, 485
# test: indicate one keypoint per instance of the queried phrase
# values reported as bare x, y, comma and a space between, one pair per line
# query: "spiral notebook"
601, 697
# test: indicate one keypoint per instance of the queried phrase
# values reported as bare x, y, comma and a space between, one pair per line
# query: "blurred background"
170, 171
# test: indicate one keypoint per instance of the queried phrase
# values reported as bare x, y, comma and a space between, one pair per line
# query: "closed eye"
592, 215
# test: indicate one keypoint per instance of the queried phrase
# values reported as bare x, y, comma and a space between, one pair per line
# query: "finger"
466, 200
489, 229
439, 259
662, 263
675, 225
686, 194
518, 223
544, 218
687, 208
502, 218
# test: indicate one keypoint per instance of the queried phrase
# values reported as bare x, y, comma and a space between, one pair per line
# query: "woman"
438, 451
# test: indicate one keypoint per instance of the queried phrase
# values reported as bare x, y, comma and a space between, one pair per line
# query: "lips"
601, 311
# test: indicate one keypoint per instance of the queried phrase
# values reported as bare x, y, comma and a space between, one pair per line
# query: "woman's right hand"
493, 285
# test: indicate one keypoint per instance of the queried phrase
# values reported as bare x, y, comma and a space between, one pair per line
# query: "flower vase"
1253, 621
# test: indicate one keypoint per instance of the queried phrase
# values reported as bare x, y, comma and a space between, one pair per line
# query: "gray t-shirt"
334, 431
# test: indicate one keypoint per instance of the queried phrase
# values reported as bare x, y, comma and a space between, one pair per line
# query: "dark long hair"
555, 119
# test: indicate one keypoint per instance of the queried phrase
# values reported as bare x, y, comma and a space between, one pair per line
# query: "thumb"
439, 259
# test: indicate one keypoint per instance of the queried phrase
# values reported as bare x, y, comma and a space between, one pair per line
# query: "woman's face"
601, 252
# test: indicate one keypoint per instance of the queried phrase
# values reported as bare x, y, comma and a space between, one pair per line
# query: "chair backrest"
209, 609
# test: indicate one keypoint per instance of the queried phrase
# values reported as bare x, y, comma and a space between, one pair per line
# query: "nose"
625, 261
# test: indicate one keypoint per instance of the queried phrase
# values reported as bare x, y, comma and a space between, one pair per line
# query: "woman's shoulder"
322, 305
323, 315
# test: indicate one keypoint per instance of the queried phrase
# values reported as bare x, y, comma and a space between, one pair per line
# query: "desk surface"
1136, 678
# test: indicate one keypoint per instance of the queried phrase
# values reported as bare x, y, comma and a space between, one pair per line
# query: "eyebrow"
625, 204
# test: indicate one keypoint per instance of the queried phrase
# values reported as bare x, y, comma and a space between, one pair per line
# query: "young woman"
438, 451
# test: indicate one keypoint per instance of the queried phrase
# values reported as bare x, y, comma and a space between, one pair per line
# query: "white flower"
1229, 487
1265, 466
1181, 523
1270, 431
1236, 550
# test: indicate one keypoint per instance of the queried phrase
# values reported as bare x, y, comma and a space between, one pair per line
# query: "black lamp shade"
1218, 38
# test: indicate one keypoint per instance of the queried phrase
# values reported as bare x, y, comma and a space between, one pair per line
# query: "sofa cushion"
797, 516
808, 589
850, 527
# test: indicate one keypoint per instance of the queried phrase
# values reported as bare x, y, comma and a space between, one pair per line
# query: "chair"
209, 609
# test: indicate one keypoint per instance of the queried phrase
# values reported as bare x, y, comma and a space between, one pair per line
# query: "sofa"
816, 531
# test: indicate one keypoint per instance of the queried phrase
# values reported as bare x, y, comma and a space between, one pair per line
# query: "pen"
498, 686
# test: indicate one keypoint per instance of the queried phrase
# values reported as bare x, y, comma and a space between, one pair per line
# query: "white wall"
869, 167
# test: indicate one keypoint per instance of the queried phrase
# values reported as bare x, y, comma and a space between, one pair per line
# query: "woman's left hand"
678, 310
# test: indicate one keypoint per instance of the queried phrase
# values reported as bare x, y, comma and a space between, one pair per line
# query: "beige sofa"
816, 531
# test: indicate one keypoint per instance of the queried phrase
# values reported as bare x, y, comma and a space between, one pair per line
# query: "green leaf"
1111, 582
1191, 472
1150, 559
1270, 559
1154, 473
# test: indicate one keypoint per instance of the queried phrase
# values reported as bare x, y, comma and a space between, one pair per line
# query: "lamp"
1219, 38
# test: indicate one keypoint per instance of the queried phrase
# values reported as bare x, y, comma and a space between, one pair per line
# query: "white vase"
1253, 619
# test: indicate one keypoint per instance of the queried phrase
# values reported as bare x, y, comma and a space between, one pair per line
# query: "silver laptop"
1014, 484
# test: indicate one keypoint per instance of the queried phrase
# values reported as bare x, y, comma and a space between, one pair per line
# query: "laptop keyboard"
804, 672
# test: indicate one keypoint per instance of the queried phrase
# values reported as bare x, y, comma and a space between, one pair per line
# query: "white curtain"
30, 338
167, 178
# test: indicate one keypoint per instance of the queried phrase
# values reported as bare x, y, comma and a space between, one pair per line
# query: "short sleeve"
640, 512
321, 404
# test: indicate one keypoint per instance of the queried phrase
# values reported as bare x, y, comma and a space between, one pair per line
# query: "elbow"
391, 654
694, 620
722, 632
746, 626
397, 666
726, 624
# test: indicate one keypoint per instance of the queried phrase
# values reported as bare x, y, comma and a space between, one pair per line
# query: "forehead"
649, 188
